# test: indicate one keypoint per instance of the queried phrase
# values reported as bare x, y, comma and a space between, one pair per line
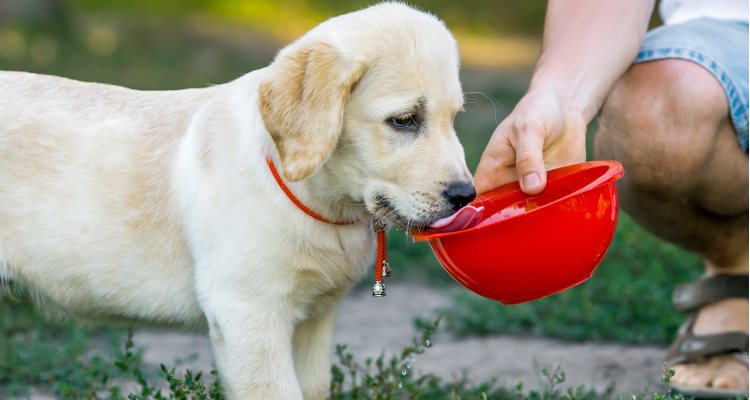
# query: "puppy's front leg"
252, 345
312, 353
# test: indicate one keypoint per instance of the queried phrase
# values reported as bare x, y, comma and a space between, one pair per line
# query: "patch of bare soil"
370, 326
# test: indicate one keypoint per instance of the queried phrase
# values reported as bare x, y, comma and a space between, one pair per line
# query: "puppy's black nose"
459, 194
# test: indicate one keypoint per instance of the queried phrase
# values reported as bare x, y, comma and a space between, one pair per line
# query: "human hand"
541, 133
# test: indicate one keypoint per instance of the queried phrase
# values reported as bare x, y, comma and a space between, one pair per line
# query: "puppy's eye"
407, 121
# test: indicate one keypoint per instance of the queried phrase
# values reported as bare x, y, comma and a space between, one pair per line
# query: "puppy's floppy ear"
302, 104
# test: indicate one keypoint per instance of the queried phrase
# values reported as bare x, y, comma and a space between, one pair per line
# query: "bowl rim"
614, 171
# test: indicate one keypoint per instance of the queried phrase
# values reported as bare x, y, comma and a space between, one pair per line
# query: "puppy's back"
85, 199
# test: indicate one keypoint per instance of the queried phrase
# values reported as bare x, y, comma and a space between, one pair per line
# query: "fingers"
491, 173
538, 134
528, 141
497, 165
513, 153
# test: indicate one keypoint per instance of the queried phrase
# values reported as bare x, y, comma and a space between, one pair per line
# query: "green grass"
55, 355
70, 372
628, 299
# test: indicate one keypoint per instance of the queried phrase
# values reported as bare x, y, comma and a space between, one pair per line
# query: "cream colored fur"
126, 205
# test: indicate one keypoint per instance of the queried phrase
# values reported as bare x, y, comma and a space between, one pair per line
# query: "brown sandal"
690, 347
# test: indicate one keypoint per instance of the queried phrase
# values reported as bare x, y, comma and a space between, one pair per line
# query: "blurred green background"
177, 44
138, 43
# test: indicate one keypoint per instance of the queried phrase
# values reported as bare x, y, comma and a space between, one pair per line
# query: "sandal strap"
688, 347
691, 296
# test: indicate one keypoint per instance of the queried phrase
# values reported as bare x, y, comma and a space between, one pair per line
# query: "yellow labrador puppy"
159, 206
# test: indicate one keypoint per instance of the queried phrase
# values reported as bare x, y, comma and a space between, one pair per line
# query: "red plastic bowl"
528, 247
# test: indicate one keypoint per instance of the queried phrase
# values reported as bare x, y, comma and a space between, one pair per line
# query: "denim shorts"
721, 47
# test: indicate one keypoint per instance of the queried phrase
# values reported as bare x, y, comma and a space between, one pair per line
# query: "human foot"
712, 316
720, 371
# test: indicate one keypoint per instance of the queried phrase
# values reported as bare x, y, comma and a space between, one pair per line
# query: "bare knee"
660, 121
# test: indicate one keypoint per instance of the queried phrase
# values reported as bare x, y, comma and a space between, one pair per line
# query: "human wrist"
572, 91
565, 96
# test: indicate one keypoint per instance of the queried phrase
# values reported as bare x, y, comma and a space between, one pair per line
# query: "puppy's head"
371, 98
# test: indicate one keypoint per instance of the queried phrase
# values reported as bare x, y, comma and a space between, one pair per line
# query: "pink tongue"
462, 219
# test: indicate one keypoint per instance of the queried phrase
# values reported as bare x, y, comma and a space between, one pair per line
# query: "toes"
725, 382
722, 372
731, 374
692, 374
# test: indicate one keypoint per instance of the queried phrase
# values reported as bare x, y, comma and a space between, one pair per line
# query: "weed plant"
626, 300
125, 376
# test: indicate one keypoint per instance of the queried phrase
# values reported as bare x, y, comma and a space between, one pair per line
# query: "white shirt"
678, 11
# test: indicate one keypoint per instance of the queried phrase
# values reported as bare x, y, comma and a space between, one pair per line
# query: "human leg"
686, 179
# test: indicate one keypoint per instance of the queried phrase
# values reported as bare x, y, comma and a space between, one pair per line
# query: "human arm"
587, 46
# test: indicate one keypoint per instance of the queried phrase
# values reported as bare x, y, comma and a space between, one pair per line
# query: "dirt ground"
371, 325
